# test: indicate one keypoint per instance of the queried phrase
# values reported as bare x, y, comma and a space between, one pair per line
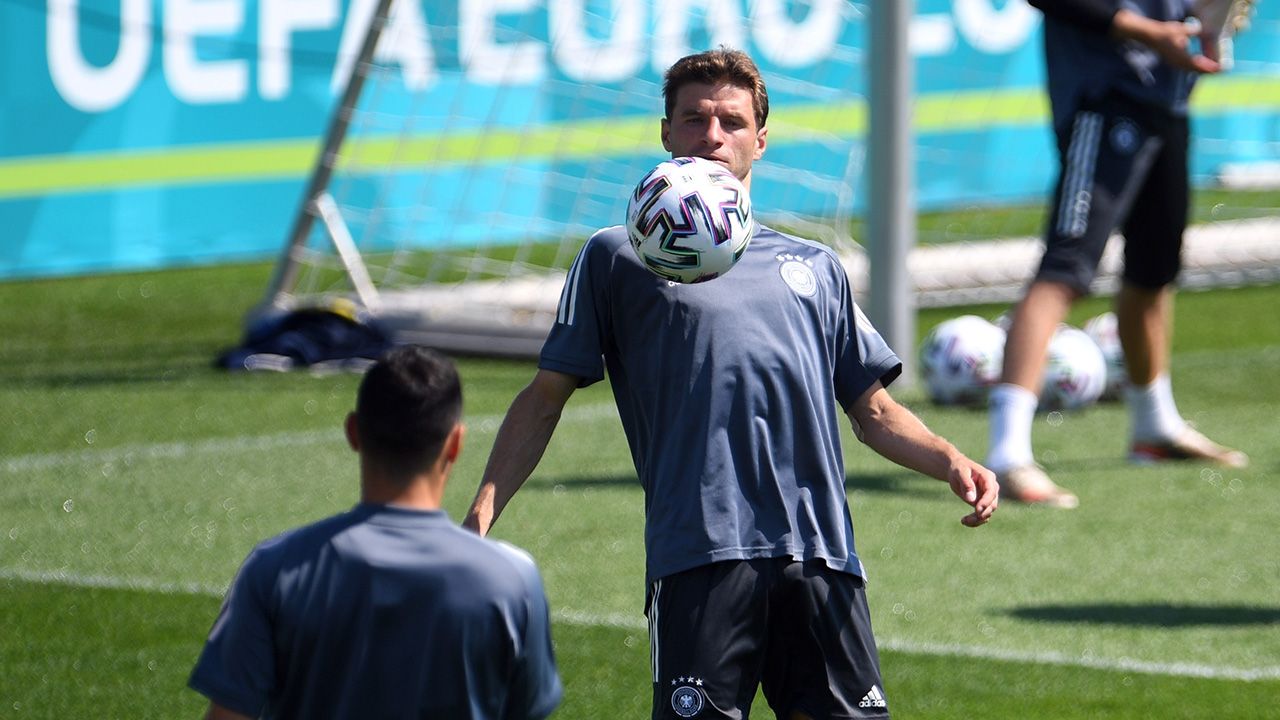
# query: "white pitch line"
112, 582
1121, 664
627, 621
167, 451
485, 424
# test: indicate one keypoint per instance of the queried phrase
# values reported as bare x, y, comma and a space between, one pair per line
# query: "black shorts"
799, 629
1123, 165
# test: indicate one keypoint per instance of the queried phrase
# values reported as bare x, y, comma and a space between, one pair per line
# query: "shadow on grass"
1151, 614
547, 484
903, 483
897, 483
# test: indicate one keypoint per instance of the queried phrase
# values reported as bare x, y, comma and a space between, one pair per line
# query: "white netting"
466, 187
468, 192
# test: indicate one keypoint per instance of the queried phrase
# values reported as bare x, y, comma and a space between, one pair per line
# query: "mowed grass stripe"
586, 618
483, 424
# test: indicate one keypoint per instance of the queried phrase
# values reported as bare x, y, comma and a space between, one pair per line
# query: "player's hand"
1209, 45
1171, 40
977, 486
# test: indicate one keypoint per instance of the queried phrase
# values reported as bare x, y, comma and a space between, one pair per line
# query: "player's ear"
353, 431
762, 141
666, 134
453, 443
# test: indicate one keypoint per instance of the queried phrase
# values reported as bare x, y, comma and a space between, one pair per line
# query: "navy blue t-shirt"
730, 394
383, 612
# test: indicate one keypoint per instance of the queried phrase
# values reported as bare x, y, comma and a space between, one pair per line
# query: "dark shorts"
798, 629
1123, 165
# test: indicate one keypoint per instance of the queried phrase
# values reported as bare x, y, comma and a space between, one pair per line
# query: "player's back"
385, 612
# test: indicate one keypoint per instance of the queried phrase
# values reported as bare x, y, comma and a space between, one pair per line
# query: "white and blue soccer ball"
1075, 373
689, 220
961, 359
1104, 333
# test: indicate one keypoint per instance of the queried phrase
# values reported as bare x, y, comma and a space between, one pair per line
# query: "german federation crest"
687, 699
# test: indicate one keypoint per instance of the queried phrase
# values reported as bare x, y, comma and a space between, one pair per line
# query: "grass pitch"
136, 477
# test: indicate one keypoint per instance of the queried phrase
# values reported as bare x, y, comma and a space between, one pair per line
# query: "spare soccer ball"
960, 360
1075, 373
689, 220
1103, 331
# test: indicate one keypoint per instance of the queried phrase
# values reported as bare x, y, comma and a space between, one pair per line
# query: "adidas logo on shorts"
873, 698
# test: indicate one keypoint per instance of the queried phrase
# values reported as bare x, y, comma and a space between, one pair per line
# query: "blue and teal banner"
147, 133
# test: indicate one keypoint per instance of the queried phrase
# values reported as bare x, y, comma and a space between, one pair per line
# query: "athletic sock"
1152, 413
1012, 411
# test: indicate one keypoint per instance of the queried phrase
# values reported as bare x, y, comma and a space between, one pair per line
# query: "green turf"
127, 458
978, 223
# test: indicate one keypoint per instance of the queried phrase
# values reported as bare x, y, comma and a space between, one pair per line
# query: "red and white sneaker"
1190, 445
1030, 484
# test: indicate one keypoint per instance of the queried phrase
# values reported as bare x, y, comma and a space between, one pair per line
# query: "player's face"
716, 122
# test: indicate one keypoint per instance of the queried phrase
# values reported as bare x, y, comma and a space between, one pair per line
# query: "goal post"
316, 199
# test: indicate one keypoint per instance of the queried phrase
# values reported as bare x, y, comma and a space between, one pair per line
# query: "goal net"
471, 168
479, 143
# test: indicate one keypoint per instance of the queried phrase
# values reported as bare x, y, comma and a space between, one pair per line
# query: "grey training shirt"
383, 612
730, 393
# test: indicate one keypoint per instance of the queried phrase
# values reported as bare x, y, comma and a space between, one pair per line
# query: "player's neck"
416, 495
423, 491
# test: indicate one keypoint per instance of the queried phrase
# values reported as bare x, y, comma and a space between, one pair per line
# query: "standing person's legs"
1144, 310
1153, 233
1013, 403
1105, 155
1144, 322
1032, 326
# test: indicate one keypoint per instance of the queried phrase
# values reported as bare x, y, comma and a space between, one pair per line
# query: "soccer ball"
1103, 331
960, 360
689, 220
1075, 373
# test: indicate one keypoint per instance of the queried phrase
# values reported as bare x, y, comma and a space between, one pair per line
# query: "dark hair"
408, 403
722, 65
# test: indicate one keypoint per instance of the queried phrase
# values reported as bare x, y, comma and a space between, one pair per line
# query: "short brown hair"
722, 65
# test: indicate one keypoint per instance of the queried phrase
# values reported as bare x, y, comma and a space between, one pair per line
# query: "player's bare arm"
1171, 40
896, 433
521, 441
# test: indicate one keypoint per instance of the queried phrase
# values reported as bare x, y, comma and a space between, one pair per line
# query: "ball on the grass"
1075, 373
960, 360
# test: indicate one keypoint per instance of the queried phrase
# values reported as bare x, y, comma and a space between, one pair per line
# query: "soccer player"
1119, 77
729, 392
388, 610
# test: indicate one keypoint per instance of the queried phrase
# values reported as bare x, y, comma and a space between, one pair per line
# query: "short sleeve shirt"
729, 392
382, 612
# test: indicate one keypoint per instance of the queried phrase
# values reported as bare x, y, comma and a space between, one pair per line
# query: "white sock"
1012, 410
1152, 412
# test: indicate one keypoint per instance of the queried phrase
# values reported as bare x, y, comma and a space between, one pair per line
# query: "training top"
730, 393
1083, 62
383, 612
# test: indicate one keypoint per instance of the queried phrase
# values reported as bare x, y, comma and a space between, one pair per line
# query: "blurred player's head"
716, 108
408, 406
